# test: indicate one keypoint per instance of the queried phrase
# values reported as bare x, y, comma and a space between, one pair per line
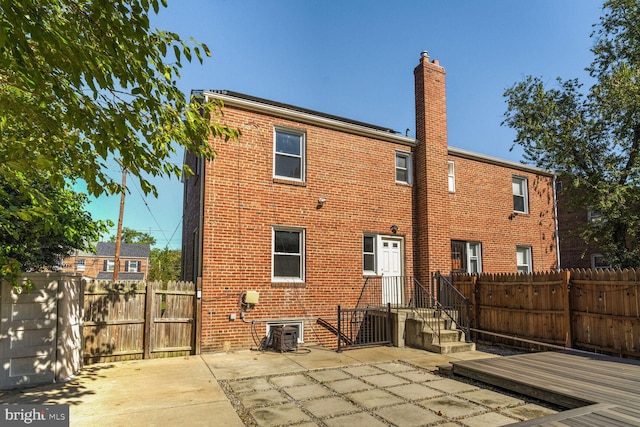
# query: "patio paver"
349, 386
361, 419
279, 415
415, 391
329, 375
329, 407
307, 391
408, 415
374, 398
262, 398
385, 380
452, 407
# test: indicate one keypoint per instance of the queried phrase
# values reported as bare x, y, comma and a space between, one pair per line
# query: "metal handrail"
406, 292
453, 304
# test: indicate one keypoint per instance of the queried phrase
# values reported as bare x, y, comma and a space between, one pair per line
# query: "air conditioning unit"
284, 338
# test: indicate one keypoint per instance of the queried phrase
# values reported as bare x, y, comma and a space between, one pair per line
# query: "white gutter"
300, 116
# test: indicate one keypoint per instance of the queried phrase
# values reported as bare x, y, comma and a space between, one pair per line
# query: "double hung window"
288, 254
132, 266
451, 177
403, 167
523, 259
520, 195
466, 257
369, 254
289, 155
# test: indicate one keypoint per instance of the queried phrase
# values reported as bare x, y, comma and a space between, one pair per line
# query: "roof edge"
308, 116
498, 161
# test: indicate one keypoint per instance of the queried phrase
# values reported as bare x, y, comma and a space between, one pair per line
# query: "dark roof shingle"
127, 250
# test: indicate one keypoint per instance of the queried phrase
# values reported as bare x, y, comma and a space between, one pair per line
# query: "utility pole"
116, 261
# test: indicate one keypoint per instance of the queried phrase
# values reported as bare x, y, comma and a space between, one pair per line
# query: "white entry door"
391, 270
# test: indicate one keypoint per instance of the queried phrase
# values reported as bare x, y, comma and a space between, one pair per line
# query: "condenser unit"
284, 338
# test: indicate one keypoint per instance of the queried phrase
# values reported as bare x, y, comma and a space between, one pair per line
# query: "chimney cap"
424, 54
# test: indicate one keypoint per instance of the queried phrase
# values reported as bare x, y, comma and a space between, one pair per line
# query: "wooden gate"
136, 320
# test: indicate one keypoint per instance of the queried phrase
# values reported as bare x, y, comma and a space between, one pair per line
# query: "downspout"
555, 218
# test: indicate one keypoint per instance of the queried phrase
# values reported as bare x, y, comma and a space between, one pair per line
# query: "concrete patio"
313, 386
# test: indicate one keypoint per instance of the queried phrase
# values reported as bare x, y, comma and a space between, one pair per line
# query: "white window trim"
298, 324
451, 176
111, 265
529, 259
129, 270
479, 257
279, 279
409, 158
81, 264
593, 262
377, 244
303, 143
375, 255
525, 188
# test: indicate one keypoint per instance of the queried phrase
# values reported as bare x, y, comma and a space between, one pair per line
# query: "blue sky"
355, 58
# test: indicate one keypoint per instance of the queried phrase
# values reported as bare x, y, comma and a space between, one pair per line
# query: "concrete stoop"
424, 334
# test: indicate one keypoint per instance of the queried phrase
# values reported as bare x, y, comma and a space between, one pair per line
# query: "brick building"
304, 206
572, 220
134, 262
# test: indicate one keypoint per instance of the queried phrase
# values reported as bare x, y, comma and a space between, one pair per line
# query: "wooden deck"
597, 390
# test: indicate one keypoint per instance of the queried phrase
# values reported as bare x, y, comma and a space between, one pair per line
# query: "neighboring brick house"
303, 207
134, 262
574, 251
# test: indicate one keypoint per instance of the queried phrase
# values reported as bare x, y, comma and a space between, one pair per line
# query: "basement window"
295, 324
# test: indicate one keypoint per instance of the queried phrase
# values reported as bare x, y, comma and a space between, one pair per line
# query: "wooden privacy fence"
135, 320
595, 310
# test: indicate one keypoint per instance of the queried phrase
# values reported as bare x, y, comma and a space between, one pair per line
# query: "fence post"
566, 295
475, 301
339, 329
197, 314
148, 321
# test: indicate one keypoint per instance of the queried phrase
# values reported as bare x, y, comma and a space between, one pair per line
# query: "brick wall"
482, 208
355, 174
574, 252
356, 177
431, 201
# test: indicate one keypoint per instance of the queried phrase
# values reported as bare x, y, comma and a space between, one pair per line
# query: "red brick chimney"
432, 245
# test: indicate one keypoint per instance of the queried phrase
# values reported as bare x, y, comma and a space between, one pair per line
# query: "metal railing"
369, 323
455, 306
359, 327
401, 293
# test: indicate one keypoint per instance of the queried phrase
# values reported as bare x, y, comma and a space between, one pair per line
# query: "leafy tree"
130, 235
84, 81
592, 137
165, 264
27, 240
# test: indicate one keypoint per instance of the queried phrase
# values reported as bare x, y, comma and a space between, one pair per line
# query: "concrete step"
453, 347
419, 335
446, 335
